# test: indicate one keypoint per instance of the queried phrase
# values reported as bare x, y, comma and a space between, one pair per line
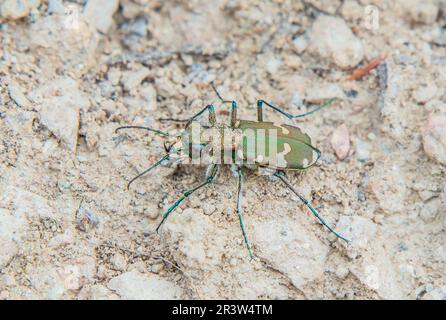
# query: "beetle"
252, 144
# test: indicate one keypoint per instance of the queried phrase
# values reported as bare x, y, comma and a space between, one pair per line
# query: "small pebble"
132, 79
430, 210
425, 12
444, 192
434, 138
152, 211
340, 141
342, 272
404, 59
319, 93
16, 94
86, 218
425, 93
119, 262
138, 286
56, 6
157, 267
63, 122
440, 40
361, 196
17, 9
114, 75
139, 27
300, 43
352, 10
208, 209
435, 293
333, 40
273, 65
149, 95
297, 101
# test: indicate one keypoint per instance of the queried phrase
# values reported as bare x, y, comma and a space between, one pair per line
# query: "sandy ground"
73, 71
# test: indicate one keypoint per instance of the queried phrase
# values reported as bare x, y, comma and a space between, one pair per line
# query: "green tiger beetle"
243, 144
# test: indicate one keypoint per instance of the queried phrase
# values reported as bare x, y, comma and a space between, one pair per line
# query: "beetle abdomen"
279, 146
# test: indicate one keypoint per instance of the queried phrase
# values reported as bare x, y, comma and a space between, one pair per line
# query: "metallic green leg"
286, 114
316, 214
212, 116
239, 209
212, 173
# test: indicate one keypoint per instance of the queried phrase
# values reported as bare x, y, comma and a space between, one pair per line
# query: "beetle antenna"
218, 94
305, 201
145, 128
156, 164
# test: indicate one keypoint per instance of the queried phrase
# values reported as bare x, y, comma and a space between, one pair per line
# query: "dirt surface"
73, 71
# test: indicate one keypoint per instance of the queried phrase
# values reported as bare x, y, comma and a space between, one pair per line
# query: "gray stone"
99, 13
425, 93
425, 12
320, 93
76, 42
12, 228
333, 40
56, 6
99, 292
301, 43
16, 94
17, 9
137, 286
119, 262
362, 150
132, 79
305, 253
340, 141
59, 102
434, 138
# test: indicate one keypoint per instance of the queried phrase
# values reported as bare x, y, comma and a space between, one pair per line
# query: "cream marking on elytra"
280, 156
287, 148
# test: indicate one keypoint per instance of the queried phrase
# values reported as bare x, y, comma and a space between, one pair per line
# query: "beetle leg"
286, 114
212, 117
239, 209
316, 214
213, 169
233, 108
